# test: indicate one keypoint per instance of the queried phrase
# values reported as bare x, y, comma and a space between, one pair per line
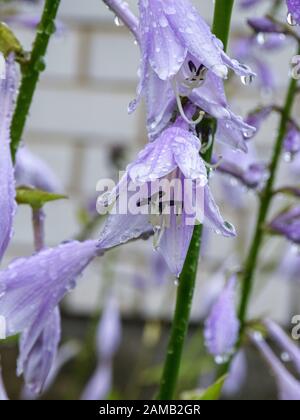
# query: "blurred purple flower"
38, 362
3, 394
292, 141
31, 171
222, 325
8, 88
30, 290
288, 224
174, 155
249, 3
258, 117
237, 374
294, 9
264, 25
284, 341
288, 386
108, 341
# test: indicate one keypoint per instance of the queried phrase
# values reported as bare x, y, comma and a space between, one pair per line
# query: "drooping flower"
288, 224
292, 142
172, 158
108, 341
287, 345
37, 364
30, 290
222, 325
31, 171
237, 374
294, 11
179, 55
258, 117
288, 386
7, 186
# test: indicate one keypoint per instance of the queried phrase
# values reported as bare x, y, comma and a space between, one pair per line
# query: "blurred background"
79, 125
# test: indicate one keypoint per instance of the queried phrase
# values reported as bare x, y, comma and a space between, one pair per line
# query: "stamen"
214, 165
208, 145
181, 110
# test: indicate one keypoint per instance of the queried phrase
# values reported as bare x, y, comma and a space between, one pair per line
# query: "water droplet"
247, 80
118, 21
40, 65
291, 20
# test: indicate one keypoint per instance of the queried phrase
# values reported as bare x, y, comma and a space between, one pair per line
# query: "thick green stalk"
180, 323
265, 202
31, 72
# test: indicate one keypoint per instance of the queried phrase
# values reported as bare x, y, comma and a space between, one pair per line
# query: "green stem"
31, 73
265, 202
180, 323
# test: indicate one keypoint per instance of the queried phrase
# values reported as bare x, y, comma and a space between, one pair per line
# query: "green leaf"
8, 41
212, 393
36, 198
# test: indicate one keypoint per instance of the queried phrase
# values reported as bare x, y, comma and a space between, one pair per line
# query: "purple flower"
288, 224
248, 3
108, 341
237, 374
7, 188
222, 325
264, 25
294, 10
258, 117
282, 339
173, 157
288, 386
292, 141
30, 290
31, 171
3, 394
179, 55
37, 364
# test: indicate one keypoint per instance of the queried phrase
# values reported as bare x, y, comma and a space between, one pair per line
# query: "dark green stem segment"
265, 202
31, 72
222, 20
221, 28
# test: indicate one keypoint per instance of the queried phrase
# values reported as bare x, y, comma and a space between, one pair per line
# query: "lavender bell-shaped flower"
173, 157
179, 55
292, 142
108, 341
31, 171
30, 291
7, 186
222, 325
288, 224
288, 386
294, 12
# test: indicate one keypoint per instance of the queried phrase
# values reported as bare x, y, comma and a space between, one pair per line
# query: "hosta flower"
288, 385
174, 159
292, 142
291, 349
222, 325
179, 55
108, 341
37, 364
30, 290
288, 224
31, 171
294, 11
7, 186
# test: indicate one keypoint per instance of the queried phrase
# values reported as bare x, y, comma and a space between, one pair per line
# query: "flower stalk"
31, 72
168, 384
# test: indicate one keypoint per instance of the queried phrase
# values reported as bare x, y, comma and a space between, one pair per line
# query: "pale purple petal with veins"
222, 325
31, 288
37, 365
7, 187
